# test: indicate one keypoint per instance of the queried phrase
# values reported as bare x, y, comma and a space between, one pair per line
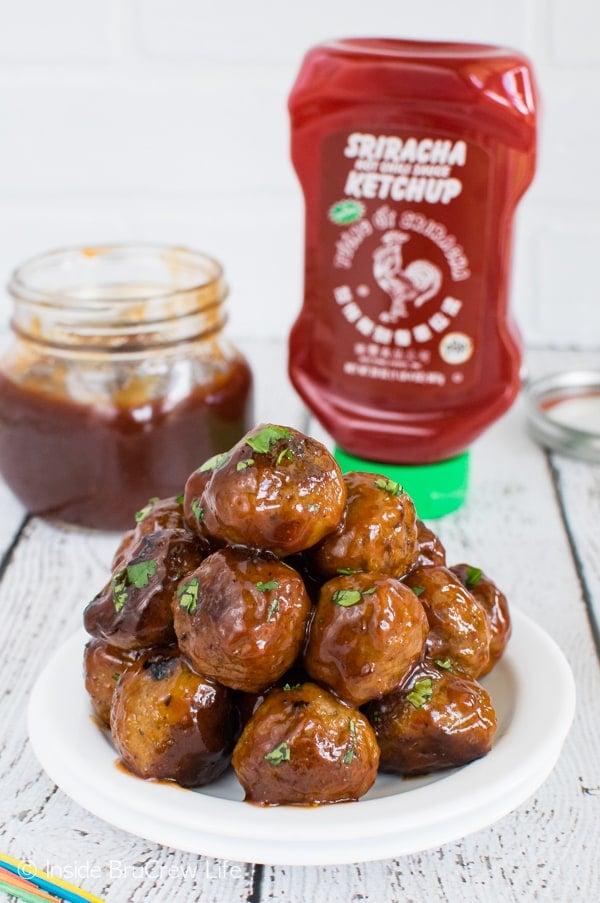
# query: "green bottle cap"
436, 489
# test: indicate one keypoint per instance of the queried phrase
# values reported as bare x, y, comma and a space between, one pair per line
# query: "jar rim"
22, 283
118, 297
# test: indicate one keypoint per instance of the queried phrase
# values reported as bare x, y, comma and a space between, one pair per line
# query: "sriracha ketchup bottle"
412, 157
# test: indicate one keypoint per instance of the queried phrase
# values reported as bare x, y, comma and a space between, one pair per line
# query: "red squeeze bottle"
412, 157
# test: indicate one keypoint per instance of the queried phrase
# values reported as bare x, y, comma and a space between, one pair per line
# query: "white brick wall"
166, 120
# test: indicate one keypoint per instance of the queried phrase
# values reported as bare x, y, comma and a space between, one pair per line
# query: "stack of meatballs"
295, 622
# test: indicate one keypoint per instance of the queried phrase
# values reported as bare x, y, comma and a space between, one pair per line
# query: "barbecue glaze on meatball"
378, 531
303, 746
366, 632
156, 515
458, 627
435, 720
494, 604
241, 618
276, 490
430, 549
103, 666
169, 722
134, 611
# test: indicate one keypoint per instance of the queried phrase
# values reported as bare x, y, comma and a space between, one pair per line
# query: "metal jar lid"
564, 412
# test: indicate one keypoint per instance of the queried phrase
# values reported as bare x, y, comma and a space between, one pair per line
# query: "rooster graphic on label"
414, 284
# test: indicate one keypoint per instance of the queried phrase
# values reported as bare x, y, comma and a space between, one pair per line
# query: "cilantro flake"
119, 590
187, 594
418, 590
273, 609
179, 499
197, 509
473, 576
145, 511
265, 587
351, 751
214, 463
285, 454
421, 692
266, 437
388, 486
348, 572
288, 687
446, 664
139, 574
346, 597
242, 465
280, 753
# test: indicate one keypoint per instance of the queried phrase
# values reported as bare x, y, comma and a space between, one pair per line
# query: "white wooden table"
532, 522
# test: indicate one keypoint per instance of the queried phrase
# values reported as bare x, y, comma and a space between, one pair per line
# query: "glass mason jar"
119, 382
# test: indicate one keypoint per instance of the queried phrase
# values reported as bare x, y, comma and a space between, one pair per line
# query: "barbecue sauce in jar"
120, 381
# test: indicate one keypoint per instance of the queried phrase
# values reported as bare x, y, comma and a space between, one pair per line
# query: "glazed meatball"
436, 720
169, 722
248, 703
157, 514
276, 490
241, 617
494, 604
429, 546
367, 631
103, 666
134, 609
378, 531
303, 746
458, 627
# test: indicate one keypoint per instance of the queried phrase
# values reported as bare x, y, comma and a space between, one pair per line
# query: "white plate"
534, 695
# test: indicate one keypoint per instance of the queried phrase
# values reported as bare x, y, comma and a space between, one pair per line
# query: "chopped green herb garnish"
446, 664
388, 486
346, 597
273, 609
267, 437
280, 753
116, 676
214, 463
242, 465
145, 511
350, 752
473, 576
421, 692
187, 594
418, 590
264, 587
348, 572
285, 454
119, 589
139, 574
179, 499
197, 509
288, 687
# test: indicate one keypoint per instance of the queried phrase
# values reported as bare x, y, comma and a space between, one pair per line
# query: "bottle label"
401, 250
